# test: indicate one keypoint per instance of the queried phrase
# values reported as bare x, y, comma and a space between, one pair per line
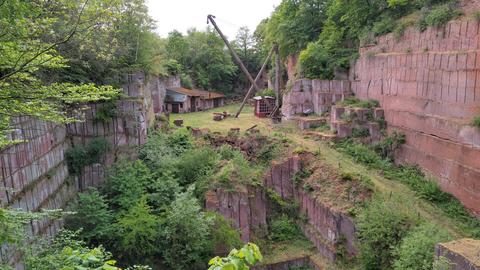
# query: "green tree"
93, 218
138, 232
28, 48
126, 184
185, 234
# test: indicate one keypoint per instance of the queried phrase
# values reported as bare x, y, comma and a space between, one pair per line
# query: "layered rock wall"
429, 86
314, 96
326, 228
34, 174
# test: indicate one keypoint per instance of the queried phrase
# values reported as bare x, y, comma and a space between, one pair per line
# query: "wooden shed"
264, 106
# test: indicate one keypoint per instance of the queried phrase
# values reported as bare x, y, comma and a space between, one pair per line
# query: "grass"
383, 186
205, 119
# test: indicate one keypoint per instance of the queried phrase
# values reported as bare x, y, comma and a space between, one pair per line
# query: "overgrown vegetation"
80, 156
412, 176
327, 34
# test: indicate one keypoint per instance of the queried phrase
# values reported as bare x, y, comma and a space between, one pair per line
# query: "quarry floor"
383, 186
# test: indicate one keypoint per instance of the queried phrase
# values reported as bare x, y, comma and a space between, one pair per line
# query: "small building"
183, 100
264, 106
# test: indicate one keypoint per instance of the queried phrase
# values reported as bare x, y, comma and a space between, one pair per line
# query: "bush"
381, 228
162, 191
126, 183
224, 237
440, 15
238, 171
384, 26
386, 148
185, 234
416, 251
195, 165
284, 228
93, 217
266, 92
156, 154
476, 122
81, 156
180, 141
138, 232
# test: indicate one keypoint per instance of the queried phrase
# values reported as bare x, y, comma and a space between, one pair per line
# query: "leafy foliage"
381, 228
223, 236
203, 57
126, 183
80, 156
138, 228
427, 189
284, 228
196, 165
93, 217
242, 259
185, 234
417, 248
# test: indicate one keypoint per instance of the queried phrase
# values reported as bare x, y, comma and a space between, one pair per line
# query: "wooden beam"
259, 75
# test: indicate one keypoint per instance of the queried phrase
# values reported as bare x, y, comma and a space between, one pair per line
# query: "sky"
230, 14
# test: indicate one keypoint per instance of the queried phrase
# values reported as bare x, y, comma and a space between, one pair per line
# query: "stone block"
461, 254
337, 113
344, 129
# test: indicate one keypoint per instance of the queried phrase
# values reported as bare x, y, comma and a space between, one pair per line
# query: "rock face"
326, 228
248, 210
428, 83
461, 254
34, 174
316, 96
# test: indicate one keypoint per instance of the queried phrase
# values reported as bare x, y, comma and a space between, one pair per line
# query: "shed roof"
197, 93
260, 98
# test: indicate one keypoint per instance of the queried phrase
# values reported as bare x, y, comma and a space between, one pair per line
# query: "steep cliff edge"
429, 85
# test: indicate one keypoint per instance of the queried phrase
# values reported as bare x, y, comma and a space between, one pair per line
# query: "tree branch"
35, 56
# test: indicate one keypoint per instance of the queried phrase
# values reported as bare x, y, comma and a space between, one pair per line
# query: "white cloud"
231, 14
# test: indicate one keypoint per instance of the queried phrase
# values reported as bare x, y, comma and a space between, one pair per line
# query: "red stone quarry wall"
429, 85
326, 228
314, 95
248, 210
34, 174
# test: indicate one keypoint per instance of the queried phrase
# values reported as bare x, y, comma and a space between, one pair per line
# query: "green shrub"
227, 152
157, 154
381, 228
81, 156
195, 165
138, 232
416, 251
106, 111
476, 122
266, 92
162, 191
384, 26
386, 148
357, 103
126, 183
180, 141
284, 228
93, 217
439, 16
360, 132
238, 171
223, 236
185, 234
